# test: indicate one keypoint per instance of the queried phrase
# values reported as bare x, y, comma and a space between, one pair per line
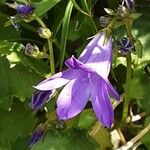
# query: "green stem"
127, 88
128, 23
40, 21
50, 46
51, 56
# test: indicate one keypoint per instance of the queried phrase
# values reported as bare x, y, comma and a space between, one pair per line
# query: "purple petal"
101, 101
112, 91
24, 9
98, 55
74, 63
130, 4
89, 48
73, 97
40, 98
36, 136
57, 80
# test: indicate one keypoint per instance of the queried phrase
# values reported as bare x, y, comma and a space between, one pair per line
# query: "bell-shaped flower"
86, 78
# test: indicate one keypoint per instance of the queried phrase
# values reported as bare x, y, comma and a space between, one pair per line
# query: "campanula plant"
74, 75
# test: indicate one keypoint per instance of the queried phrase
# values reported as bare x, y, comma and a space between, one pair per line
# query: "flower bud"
104, 21
44, 33
32, 51
40, 98
37, 135
122, 11
130, 4
125, 45
24, 9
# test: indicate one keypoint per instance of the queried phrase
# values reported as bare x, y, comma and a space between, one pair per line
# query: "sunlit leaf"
65, 28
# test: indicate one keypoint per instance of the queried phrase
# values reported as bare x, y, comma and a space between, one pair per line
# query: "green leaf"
20, 144
2, 1
136, 15
139, 48
15, 54
140, 85
65, 28
145, 139
22, 80
5, 87
79, 9
39, 66
5, 47
137, 89
22, 1
86, 119
142, 24
71, 140
44, 6
88, 8
18, 122
16, 81
7, 33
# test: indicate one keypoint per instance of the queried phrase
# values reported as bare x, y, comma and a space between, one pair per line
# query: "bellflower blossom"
86, 77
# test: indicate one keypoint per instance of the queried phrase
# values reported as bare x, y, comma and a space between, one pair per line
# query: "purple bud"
44, 33
24, 9
125, 45
32, 51
130, 4
40, 98
36, 136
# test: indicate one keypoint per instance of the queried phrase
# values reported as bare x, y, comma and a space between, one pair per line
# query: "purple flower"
87, 77
24, 9
36, 136
40, 98
125, 45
